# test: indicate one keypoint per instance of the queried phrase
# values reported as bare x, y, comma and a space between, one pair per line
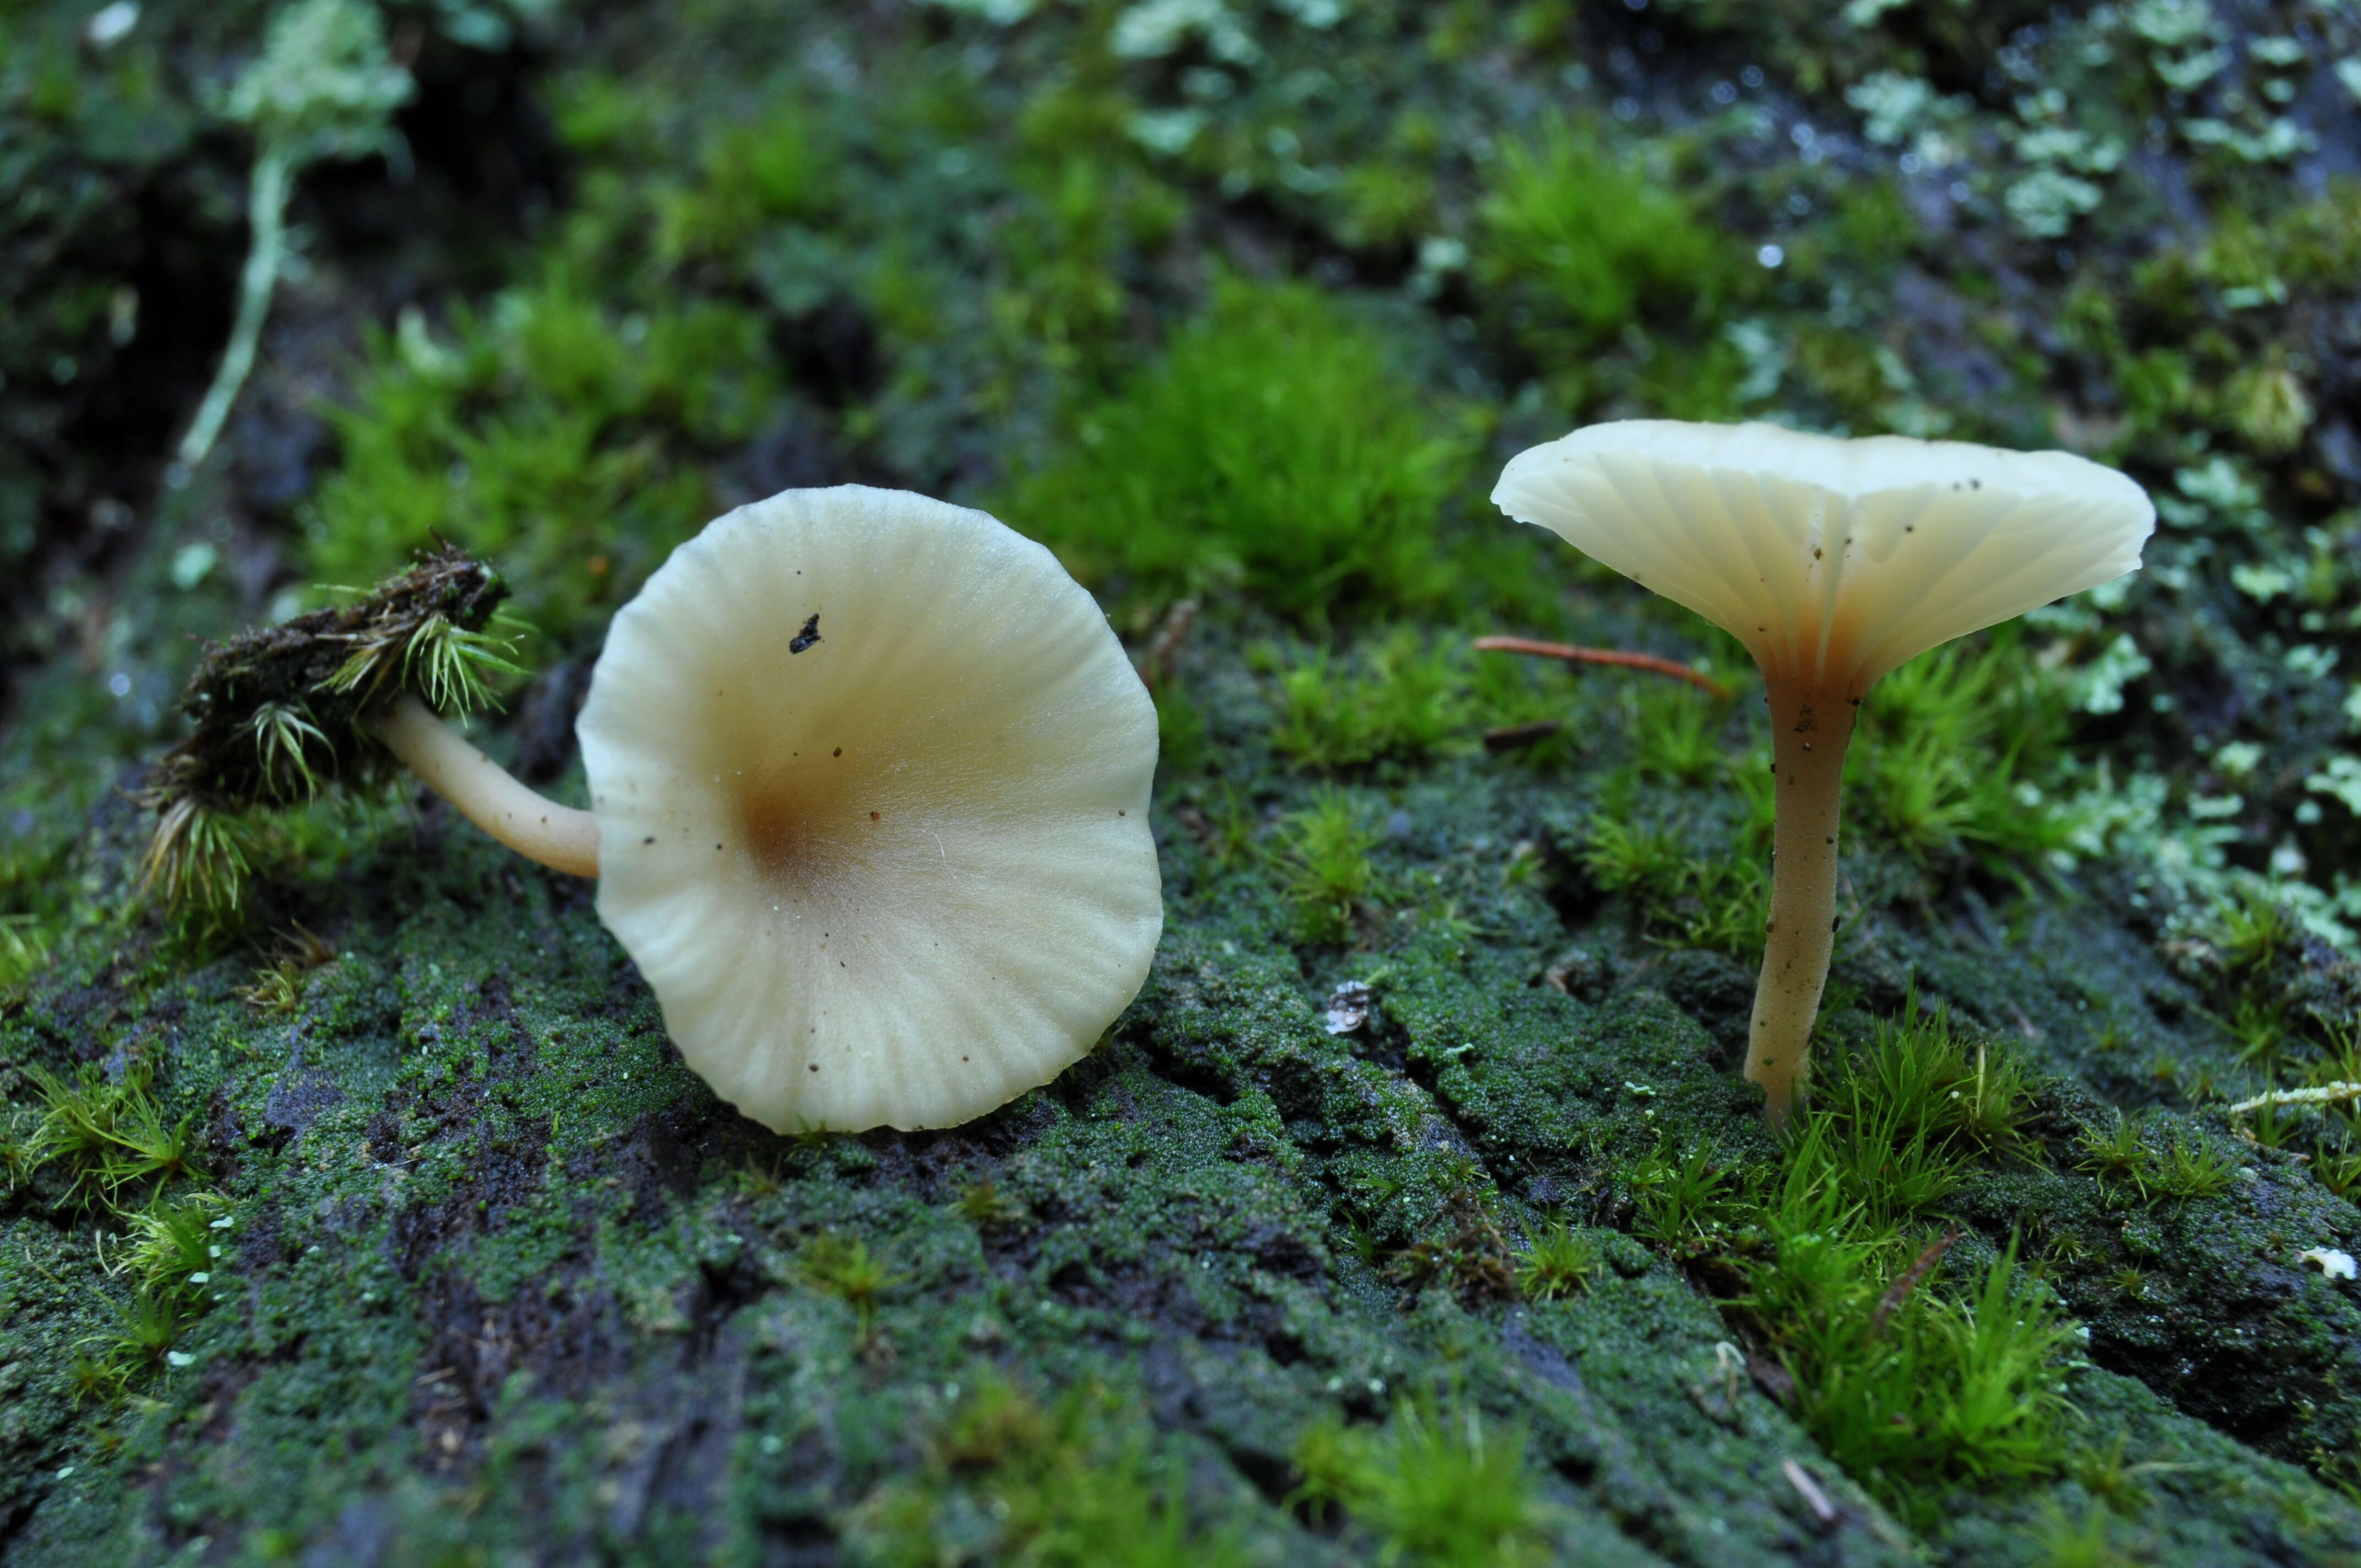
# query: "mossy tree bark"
1810, 729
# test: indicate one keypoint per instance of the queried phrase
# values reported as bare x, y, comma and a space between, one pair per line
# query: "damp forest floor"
1415, 1212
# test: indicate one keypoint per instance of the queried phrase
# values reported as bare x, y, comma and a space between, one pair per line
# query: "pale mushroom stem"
1809, 731
559, 837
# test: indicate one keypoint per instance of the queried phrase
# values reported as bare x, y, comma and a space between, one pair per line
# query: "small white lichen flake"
2329, 1261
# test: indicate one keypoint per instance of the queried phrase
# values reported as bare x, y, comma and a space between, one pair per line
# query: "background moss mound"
1414, 1214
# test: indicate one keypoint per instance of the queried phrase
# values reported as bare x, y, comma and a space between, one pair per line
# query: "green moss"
1432, 1485
551, 435
1398, 703
1901, 1384
844, 1267
1870, 225
1953, 753
1560, 1262
752, 178
1329, 877
109, 1137
1930, 1081
1083, 218
1275, 446
1386, 201
1077, 1484
1687, 1193
1714, 901
1587, 241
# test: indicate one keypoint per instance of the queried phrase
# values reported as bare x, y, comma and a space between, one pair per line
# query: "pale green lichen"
323, 87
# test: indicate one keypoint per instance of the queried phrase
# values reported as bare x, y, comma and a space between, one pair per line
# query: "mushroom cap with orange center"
1833, 560
895, 872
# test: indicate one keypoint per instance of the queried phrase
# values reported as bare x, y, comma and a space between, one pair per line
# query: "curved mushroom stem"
559, 837
1809, 731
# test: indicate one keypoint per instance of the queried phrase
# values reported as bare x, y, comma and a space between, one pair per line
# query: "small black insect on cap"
808, 636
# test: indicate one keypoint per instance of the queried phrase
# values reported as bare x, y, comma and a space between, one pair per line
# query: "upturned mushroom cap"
1832, 560
898, 874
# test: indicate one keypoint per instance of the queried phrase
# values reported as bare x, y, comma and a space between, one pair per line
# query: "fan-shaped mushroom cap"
1832, 560
896, 873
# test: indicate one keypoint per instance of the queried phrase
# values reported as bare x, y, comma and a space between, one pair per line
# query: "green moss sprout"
1559, 1261
1433, 1484
2116, 1153
278, 987
1686, 1194
1275, 445
1884, 1159
1952, 751
2195, 1166
1900, 1384
751, 178
2083, 1539
2189, 1166
563, 438
1329, 874
1077, 1484
179, 1246
1583, 243
1398, 703
109, 1136
1920, 1082
1678, 896
844, 1267
146, 1327
984, 1205
24, 943
1678, 733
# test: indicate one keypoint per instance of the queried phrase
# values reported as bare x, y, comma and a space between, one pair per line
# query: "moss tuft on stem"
276, 715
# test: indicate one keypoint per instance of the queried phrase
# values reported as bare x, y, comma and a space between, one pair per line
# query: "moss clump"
1587, 242
1559, 1261
751, 178
1905, 1386
1954, 750
1276, 446
1330, 878
275, 715
110, 1139
558, 436
1075, 1484
1672, 892
1912, 1110
1398, 705
1433, 1484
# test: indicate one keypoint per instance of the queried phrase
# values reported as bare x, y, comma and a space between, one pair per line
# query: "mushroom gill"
871, 774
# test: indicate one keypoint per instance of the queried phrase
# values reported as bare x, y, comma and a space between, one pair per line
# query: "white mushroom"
1833, 561
870, 779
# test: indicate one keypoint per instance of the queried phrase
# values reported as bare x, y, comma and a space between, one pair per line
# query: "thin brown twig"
1618, 656
1508, 737
1157, 666
1908, 1280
